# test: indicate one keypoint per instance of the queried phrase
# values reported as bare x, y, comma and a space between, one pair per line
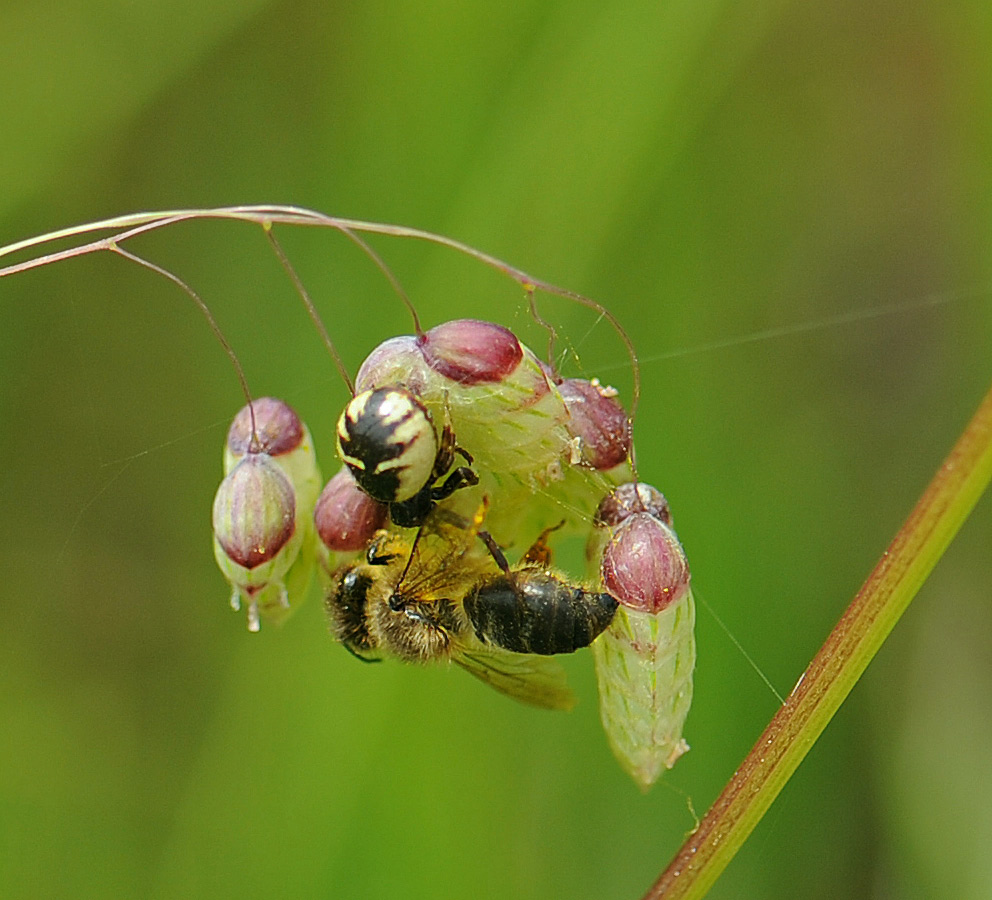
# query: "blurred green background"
744, 185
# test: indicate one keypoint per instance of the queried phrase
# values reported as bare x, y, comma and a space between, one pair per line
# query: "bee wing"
446, 561
535, 680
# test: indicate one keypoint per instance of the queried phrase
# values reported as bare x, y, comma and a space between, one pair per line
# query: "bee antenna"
309, 304
409, 560
211, 321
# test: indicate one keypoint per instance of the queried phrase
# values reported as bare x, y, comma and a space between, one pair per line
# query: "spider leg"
461, 477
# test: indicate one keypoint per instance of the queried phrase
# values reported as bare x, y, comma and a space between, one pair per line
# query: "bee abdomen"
535, 612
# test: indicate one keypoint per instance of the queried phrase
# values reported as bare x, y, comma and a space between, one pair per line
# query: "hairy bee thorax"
365, 617
371, 612
417, 632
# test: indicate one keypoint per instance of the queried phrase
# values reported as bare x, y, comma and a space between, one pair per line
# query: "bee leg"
494, 550
375, 560
539, 553
378, 553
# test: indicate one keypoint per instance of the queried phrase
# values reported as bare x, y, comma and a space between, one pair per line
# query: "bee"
387, 439
448, 597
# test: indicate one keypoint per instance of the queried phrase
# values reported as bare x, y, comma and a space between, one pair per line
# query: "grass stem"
835, 669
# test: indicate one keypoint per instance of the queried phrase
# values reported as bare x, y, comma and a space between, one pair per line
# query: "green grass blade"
835, 669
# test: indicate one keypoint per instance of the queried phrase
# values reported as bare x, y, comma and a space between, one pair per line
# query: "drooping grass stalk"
267, 215
835, 669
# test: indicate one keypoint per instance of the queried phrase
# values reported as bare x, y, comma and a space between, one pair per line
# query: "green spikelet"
644, 664
511, 417
285, 483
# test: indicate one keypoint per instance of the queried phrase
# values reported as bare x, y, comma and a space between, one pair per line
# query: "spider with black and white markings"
387, 440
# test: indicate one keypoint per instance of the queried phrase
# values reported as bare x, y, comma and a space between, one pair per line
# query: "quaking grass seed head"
630, 498
645, 659
555, 445
254, 521
536, 459
267, 425
263, 510
644, 565
280, 434
346, 518
470, 351
599, 422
